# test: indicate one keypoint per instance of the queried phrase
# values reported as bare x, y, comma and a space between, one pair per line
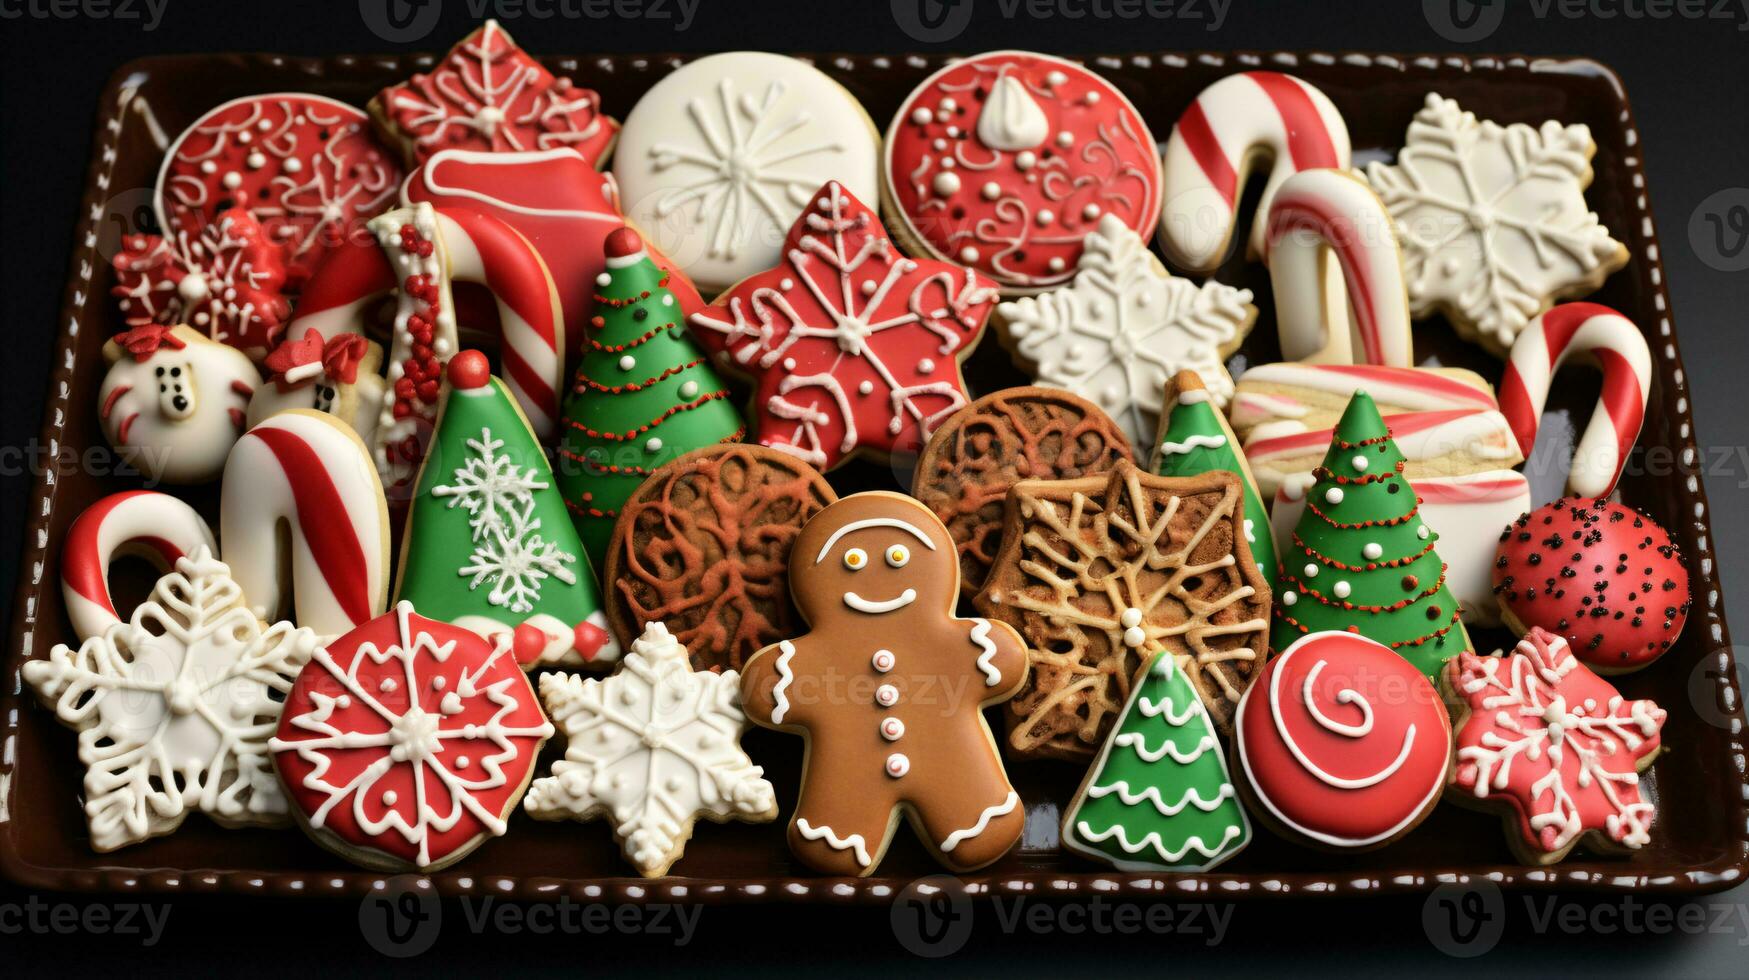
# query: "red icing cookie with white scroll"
304, 165
407, 742
1005, 161
1342, 744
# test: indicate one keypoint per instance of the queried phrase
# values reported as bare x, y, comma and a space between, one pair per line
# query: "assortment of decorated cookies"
1224, 603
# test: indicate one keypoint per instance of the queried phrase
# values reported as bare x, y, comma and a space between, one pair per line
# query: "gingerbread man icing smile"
888, 689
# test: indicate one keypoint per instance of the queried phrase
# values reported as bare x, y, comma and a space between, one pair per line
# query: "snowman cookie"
174, 401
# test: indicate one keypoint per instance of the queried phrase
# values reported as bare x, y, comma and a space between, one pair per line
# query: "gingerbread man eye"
855, 559
898, 555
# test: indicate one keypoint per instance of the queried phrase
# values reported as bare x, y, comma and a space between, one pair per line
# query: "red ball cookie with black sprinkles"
1004, 162
1604, 576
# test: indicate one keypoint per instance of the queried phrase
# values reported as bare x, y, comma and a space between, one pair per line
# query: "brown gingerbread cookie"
995, 442
703, 547
888, 688
1098, 573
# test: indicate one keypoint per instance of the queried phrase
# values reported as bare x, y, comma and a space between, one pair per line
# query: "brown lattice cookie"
995, 442
1098, 573
703, 548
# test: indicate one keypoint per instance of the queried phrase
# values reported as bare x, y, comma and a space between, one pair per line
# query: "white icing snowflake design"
1493, 219
653, 747
509, 552
174, 708
1124, 327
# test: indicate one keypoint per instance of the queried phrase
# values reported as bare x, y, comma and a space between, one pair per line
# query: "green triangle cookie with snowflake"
1195, 439
489, 544
1361, 558
1159, 798
644, 393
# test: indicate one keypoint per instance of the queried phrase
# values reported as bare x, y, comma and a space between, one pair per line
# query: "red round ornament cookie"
1606, 577
1342, 743
406, 743
1005, 161
304, 165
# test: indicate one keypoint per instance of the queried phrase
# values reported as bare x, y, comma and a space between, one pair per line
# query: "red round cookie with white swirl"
1342, 743
1005, 161
1603, 576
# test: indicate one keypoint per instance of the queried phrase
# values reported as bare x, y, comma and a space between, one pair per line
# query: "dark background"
1685, 64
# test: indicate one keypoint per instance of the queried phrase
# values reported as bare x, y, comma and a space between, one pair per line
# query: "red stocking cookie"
488, 94
407, 742
304, 165
888, 689
1555, 745
225, 280
853, 347
143, 523
173, 402
1342, 744
1005, 161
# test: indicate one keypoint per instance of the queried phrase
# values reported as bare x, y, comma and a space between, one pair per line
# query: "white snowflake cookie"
174, 707
1124, 326
1493, 219
653, 748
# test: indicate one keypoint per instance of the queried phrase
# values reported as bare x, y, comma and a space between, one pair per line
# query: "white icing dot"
941, 144
953, 132
1134, 637
1092, 98
1131, 617
653, 445
926, 366
689, 389
1065, 138
255, 161
389, 797
1372, 551
865, 388
892, 729
1056, 264
1025, 160
1341, 590
439, 683
1045, 216
1055, 78
949, 106
946, 184
1289, 598
922, 116
886, 695
1311, 571
786, 284
233, 180
1333, 495
968, 254
604, 280
293, 165
898, 765
1421, 532
883, 660
461, 762
991, 190
627, 362
789, 364
869, 286
1090, 212
1359, 463
667, 299
208, 167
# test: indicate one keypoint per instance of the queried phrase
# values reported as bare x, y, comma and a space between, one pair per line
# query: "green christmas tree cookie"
1194, 438
1361, 559
489, 545
644, 393
1158, 798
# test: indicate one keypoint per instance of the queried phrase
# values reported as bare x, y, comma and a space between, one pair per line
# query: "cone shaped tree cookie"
1158, 798
1361, 559
489, 545
644, 393
1194, 439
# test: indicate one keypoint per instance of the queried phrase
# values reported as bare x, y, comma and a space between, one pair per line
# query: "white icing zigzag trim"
999, 810
1154, 840
1154, 709
981, 636
785, 678
1139, 745
1152, 795
854, 843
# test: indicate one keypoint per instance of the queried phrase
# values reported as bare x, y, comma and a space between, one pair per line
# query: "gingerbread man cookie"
888, 689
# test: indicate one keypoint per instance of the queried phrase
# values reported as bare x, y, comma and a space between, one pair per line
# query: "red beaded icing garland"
1604, 576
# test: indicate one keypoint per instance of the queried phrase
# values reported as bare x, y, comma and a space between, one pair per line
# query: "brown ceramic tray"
1702, 838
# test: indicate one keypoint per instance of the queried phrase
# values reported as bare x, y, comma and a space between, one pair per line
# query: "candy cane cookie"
1320, 216
1238, 124
135, 523
1596, 334
310, 473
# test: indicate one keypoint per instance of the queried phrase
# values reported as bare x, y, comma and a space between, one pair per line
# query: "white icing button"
866, 388
1092, 98
232, 180
1289, 598
1341, 590
689, 389
1090, 212
1359, 462
1372, 551
1311, 571
1333, 495
886, 695
1065, 138
898, 765
884, 660
627, 362
1045, 216
869, 286
1055, 78
1422, 532
1131, 617
925, 366
789, 364
256, 161
389, 797
1057, 264
946, 184
667, 299
968, 254
1026, 160
654, 445
461, 762
604, 280
922, 116
949, 106
1134, 637
991, 190
953, 132
892, 729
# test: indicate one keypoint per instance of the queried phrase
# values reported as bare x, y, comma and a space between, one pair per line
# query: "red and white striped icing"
1318, 215
143, 523
1236, 123
1412, 389
313, 474
1601, 336
1421, 436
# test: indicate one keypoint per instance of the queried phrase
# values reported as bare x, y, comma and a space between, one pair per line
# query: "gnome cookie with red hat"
888, 688
339, 375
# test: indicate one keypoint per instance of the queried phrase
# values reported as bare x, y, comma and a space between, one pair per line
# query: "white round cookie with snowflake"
1493, 220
